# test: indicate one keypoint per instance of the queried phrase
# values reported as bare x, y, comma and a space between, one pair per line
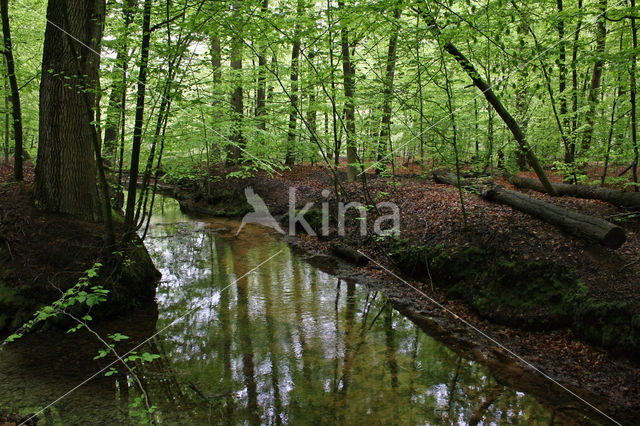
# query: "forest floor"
43, 254
431, 216
44, 250
39, 252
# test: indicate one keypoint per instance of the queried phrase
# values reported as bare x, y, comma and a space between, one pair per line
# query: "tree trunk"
312, 112
7, 114
65, 178
293, 108
119, 89
570, 153
562, 72
511, 123
15, 93
617, 198
348, 72
139, 119
216, 64
577, 224
521, 103
262, 78
503, 113
385, 125
633, 89
235, 149
596, 75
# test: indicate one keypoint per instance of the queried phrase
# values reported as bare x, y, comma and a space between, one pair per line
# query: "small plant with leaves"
84, 293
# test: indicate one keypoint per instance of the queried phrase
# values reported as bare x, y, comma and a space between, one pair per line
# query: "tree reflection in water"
289, 343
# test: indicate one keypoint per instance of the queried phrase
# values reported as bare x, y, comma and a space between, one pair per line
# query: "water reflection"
288, 343
285, 343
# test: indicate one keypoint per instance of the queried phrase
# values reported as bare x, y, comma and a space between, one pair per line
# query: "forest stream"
250, 333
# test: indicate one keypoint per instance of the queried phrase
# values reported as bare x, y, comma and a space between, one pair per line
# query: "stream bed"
248, 332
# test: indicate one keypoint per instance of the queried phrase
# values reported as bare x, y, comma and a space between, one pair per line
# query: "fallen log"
348, 254
577, 224
615, 197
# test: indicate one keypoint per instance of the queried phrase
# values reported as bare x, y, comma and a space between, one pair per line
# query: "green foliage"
84, 294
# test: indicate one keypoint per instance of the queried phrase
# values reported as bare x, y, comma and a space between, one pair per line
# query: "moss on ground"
611, 324
530, 294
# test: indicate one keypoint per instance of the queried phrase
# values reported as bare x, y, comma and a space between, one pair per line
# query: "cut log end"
615, 238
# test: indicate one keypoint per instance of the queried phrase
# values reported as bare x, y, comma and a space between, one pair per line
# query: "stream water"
249, 333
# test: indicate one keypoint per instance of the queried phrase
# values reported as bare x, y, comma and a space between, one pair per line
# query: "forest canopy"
265, 83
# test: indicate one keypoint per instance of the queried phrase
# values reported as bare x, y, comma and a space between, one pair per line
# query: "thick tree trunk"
348, 72
617, 198
7, 114
562, 72
312, 112
216, 64
15, 93
570, 152
521, 103
66, 168
577, 224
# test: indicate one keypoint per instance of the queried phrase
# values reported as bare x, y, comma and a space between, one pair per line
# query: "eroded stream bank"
282, 341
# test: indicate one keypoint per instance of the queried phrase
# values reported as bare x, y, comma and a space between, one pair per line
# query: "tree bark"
388, 90
139, 118
596, 75
617, 198
293, 108
65, 178
570, 152
235, 149
15, 93
7, 114
521, 103
633, 91
562, 72
119, 89
576, 224
261, 93
348, 72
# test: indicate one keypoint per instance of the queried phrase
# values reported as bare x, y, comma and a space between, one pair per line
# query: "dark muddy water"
252, 334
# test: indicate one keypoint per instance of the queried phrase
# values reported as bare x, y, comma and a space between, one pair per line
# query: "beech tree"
15, 93
65, 178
